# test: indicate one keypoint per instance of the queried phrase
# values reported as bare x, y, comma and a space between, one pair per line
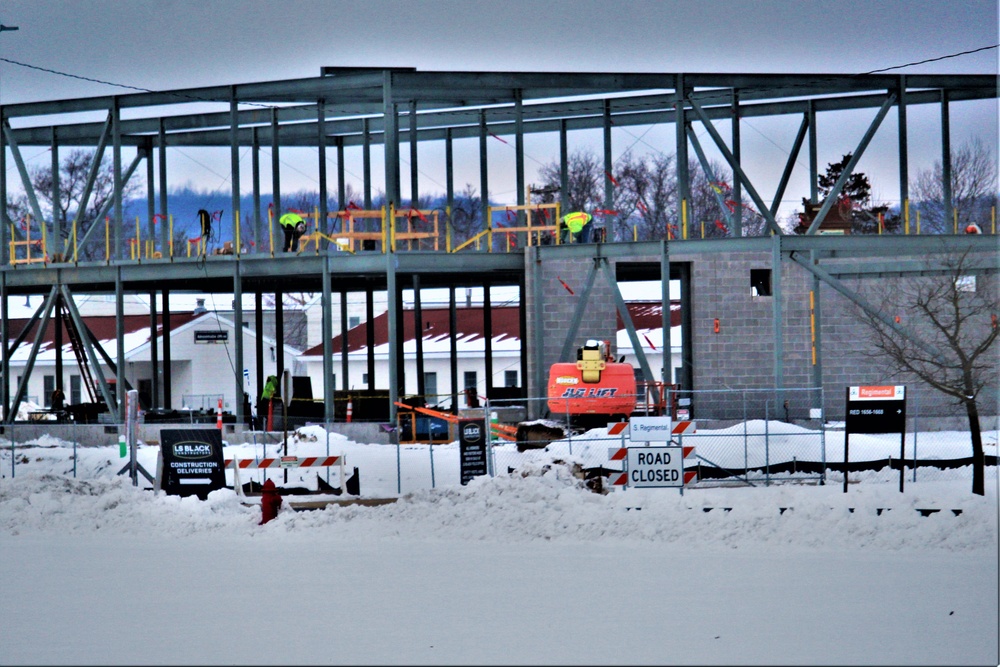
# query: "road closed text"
655, 466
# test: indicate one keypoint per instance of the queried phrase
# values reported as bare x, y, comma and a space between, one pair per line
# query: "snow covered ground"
526, 568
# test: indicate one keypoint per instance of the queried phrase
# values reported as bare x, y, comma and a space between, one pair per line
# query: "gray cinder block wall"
742, 354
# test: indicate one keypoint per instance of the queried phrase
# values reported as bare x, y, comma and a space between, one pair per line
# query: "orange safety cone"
218, 416
350, 410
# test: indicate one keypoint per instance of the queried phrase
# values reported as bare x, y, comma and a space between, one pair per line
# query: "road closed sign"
655, 467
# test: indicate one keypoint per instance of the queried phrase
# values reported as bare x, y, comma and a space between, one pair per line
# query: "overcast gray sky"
166, 44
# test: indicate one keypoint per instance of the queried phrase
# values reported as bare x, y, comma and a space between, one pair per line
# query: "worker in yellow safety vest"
294, 226
578, 225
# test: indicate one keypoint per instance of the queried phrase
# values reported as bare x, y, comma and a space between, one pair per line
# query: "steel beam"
22, 386
87, 338
737, 169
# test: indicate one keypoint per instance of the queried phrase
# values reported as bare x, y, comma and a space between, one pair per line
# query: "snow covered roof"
136, 334
646, 316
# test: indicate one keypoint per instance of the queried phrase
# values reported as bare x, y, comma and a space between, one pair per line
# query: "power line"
930, 60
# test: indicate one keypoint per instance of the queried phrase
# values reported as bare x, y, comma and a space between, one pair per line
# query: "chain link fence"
739, 437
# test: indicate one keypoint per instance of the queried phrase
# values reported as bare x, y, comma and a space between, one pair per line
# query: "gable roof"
435, 330
104, 328
470, 330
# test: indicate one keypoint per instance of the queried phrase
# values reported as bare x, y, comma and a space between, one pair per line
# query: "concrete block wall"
559, 308
741, 356
846, 361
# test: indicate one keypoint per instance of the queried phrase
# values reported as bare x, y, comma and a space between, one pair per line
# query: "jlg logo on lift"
592, 392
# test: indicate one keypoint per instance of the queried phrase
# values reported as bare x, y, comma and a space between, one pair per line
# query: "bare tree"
585, 180
74, 172
952, 318
466, 216
973, 190
647, 196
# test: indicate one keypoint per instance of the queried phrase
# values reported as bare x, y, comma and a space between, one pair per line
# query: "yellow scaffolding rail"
539, 219
27, 245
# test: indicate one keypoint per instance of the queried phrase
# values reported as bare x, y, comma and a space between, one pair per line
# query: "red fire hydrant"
270, 502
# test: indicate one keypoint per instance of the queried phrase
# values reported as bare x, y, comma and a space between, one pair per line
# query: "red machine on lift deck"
593, 390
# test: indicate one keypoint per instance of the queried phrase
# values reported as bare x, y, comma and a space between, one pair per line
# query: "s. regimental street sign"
875, 409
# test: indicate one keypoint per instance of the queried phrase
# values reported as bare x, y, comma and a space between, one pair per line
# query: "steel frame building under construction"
364, 107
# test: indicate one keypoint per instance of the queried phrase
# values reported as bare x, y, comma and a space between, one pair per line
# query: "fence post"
746, 472
488, 420
822, 438
430, 447
916, 416
767, 444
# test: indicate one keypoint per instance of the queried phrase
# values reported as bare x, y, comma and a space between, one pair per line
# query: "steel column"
488, 340
161, 154
255, 176
120, 342
946, 193
344, 347
392, 313
323, 223
390, 144
453, 349
904, 156
777, 319
238, 343
366, 156
737, 216
519, 180
680, 127
116, 198
167, 332
329, 387
418, 334
275, 180
484, 188
666, 317
56, 195
414, 174
370, 334
609, 192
